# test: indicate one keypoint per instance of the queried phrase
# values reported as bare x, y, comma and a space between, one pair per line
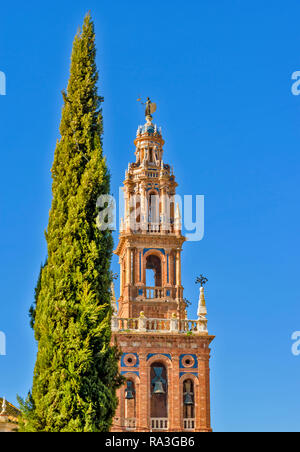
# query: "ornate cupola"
165, 355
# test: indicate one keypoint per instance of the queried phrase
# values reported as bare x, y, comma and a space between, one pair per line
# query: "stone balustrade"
159, 423
189, 424
130, 423
145, 325
156, 293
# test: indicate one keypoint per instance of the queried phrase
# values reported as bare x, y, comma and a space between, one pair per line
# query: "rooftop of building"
10, 411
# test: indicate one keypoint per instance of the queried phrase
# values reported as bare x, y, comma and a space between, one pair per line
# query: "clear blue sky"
221, 75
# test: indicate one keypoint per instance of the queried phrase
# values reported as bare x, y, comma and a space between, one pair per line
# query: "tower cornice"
148, 240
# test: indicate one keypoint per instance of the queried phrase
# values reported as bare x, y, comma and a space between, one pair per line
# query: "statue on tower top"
150, 108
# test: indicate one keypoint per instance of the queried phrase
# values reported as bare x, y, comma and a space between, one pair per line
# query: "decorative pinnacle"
202, 311
202, 280
177, 213
177, 223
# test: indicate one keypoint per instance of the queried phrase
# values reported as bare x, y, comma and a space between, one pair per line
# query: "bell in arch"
188, 395
188, 399
129, 393
158, 381
158, 388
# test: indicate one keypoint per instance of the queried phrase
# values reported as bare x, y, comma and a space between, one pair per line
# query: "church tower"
165, 356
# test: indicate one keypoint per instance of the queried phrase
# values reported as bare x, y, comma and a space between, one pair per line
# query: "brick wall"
184, 357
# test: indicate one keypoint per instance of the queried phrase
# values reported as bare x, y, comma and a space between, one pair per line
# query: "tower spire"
151, 327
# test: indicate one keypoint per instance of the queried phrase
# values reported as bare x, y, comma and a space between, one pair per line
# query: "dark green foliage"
76, 372
32, 309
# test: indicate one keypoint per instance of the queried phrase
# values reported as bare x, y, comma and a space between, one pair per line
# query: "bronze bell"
188, 400
129, 395
158, 388
128, 391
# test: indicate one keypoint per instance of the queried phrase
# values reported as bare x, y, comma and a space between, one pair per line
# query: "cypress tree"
76, 373
32, 309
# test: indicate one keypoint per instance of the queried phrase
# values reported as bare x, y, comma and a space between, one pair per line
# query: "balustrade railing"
153, 325
173, 325
130, 423
188, 424
188, 325
127, 423
123, 324
151, 228
156, 293
159, 423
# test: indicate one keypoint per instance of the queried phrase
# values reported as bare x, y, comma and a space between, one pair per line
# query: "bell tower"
165, 356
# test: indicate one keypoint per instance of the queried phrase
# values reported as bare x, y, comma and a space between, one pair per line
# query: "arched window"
130, 405
159, 396
153, 271
188, 400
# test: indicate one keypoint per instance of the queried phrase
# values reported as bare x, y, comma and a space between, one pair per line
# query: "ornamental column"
143, 209
128, 266
143, 420
178, 272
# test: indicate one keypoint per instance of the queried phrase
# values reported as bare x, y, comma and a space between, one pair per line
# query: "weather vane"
202, 280
150, 107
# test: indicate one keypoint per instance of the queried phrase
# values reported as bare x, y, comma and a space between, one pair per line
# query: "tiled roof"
11, 411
